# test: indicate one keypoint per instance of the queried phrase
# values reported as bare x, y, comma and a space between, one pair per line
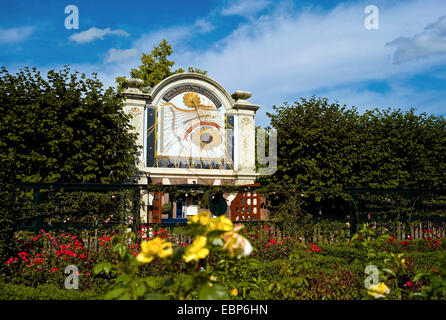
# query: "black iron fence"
92, 207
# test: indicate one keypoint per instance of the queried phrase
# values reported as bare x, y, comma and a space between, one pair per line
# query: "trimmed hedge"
43, 292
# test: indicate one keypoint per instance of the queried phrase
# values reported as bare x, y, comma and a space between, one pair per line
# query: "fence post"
136, 209
95, 234
38, 221
353, 214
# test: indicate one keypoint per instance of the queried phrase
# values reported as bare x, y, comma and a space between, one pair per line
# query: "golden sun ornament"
191, 100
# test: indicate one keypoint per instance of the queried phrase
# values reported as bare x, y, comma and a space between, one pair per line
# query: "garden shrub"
347, 253
42, 292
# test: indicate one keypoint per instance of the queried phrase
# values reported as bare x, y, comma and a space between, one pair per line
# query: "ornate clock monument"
191, 131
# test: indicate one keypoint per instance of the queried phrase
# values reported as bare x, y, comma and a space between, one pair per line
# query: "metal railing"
66, 206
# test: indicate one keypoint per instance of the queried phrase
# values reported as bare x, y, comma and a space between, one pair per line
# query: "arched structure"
191, 131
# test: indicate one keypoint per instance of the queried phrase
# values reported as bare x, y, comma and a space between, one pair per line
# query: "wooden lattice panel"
157, 207
245, 207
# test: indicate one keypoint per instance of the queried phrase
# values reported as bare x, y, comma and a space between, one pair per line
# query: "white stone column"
245, 137
134, 104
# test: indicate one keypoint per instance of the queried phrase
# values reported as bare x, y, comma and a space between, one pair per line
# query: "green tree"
156, 67
402, 150
324, 148
7, 213
65, 128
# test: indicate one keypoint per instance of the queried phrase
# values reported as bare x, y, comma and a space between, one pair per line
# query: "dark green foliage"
42, 292
344, 252
324, 148
65, 128
7, 212
327, 145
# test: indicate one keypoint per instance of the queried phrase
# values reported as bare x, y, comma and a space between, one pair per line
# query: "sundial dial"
191, 129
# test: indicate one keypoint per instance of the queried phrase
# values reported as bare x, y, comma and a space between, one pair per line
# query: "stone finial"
133, 83
241, 102
241, 95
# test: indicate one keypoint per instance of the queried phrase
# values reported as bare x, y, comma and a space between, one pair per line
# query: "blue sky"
278, 50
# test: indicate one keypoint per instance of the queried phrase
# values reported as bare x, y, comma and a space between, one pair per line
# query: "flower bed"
245, 263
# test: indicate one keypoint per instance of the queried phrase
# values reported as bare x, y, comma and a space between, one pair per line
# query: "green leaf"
102, 267
113, 294
155, 296
152, 283
140, 290
216, 292
121, 249
124, 278
389, 271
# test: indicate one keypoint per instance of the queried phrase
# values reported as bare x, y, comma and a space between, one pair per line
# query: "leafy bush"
42, 292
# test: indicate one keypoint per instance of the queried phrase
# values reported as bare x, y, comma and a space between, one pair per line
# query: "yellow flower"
234, 292
221, 223
151, 249
378, 290
196, 250
201, 218
403, 261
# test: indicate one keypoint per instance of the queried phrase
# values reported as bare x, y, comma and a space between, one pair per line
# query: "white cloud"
177, 36
15, 35
121, 56
204, 26
431, 41
245, 8
288, 53
94, 33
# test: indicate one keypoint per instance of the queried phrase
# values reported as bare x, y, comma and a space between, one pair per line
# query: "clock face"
191, 130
